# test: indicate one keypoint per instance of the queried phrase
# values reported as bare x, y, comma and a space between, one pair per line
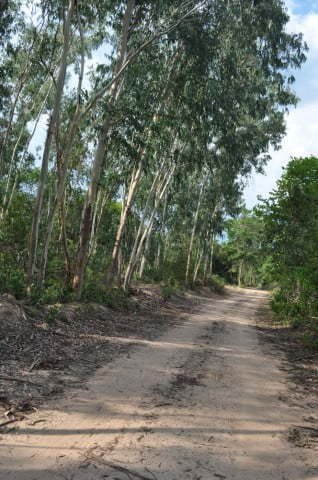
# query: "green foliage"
13, 244
290, 217
173, 269
12, 280
244, 250
216, 283
96, 291
167, 291
51, 315
48, 295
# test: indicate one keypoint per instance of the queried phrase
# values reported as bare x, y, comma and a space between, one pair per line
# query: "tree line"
155, 113
275, 245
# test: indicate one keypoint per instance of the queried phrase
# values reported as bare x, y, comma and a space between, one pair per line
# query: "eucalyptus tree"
247, 91
143, 96
85, 23
9, 76
151, 17
52, 130
29, 60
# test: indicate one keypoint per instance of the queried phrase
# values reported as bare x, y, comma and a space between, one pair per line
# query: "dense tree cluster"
243, 253
155, 112
275, 246
290, 217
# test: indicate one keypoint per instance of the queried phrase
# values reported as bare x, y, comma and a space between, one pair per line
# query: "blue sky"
302, 122
303, 7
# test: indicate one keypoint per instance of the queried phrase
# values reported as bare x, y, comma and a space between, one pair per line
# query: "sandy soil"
202, 402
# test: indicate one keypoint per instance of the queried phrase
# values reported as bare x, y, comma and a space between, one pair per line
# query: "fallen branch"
35, 362
12, 420
118, 468
305, 357
151, 473
19, 380
311, 429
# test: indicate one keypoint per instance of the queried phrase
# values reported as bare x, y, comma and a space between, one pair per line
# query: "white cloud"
37, 143
308, 25
301, 140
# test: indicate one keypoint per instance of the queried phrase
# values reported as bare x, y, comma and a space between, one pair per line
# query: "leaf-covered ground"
43, 349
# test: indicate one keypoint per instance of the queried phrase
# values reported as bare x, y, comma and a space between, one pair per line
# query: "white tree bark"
139, 242
195, 222
53, 122
88, 209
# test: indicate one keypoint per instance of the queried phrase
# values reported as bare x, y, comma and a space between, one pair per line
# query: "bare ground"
207, 399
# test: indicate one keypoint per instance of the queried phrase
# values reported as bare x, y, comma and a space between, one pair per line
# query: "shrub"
14, 281
95, 291
51, 315
216, 283
49, 294
167, 291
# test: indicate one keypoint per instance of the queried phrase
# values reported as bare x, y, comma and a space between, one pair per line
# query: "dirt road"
203, 402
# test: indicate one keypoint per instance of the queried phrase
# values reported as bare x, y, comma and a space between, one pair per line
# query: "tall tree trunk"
126, 209
138, 173
205, 266
139, 241
7, 198
4, 206
21, 83
195, 222
159, 249
102, 198
140, 230
64, 156
88, 209
211, 257
19, 88
200, 256
53, 122
9, 127
197, 266
240, 273
67, 258
144, 255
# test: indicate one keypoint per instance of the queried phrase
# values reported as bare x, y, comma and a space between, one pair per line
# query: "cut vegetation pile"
44, 348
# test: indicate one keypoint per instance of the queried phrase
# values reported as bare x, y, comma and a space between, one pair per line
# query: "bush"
291, 308
216, 283
51, 315
49, 294
299, 312
14, 282
95, 291
167, 291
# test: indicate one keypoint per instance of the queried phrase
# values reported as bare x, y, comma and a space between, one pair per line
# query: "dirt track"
203, 402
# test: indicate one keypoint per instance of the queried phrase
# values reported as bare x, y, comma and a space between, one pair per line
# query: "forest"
128, 131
